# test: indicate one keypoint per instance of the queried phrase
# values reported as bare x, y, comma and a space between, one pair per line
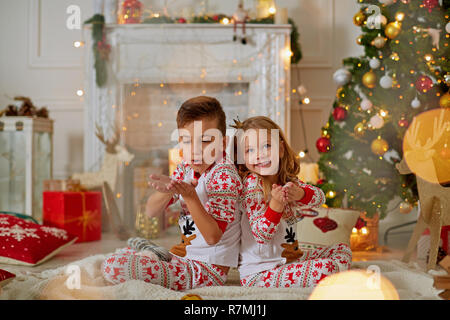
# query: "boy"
208, 187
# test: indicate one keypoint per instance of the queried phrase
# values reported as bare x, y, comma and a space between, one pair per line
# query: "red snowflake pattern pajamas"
268, 239
219, 189
178, 274
307, 271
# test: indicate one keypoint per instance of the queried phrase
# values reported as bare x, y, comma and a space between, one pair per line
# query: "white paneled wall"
38, 60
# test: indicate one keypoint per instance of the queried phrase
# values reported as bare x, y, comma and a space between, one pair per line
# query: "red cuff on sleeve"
308, 195
222, 225
272, 215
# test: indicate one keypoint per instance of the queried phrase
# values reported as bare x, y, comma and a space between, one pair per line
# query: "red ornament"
320, 181
424, 83
403, 123
339, 113
360, 223
215, 17
430, 4
103, 49
182, 20
325, 224
323, 144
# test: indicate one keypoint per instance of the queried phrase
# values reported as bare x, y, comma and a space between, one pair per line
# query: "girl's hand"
293, 192
186, 190
278, 199
160, 183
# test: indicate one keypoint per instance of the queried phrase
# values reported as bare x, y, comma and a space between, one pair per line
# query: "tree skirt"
409, 280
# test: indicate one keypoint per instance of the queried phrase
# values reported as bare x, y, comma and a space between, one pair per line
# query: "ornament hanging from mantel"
26, 160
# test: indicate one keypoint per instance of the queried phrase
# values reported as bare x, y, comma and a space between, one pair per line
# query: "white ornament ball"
377, 122
376, 21
386, 2
386, 82
342, 76
447, 27
415, 103
374, 63
366, 104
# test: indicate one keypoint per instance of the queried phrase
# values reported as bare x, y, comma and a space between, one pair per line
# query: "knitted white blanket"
60, 283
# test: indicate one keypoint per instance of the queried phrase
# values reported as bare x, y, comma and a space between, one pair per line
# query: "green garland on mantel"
295, 43
101, 49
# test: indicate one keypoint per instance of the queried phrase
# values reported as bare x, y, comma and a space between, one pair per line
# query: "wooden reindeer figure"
186, 238
291, 250
434, 199
108, 171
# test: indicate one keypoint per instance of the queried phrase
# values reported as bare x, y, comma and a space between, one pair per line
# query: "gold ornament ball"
359, 129
359, 40
379, 146
444, 101
369, 79
379, 42
339, 92
392, 30
405, 207
359, 18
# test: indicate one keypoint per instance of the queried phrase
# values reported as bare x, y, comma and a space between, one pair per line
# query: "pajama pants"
179, 274
307, 271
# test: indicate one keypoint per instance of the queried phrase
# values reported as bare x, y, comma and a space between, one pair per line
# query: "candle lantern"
25, 162
131, 11
364, 237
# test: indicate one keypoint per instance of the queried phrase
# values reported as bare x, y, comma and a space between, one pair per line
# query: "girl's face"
262, 151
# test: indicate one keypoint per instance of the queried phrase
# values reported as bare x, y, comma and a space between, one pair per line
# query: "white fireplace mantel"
188, 53
184, 56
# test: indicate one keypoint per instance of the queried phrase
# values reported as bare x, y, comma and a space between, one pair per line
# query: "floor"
110, 242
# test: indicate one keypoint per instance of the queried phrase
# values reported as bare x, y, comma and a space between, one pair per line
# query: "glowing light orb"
355, 285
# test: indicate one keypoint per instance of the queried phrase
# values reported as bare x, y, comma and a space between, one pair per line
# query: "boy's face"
201, 143
262, 151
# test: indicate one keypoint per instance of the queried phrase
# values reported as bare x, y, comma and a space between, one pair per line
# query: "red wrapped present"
423, 245
79, 213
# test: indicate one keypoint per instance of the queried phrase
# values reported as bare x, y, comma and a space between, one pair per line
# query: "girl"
273, 200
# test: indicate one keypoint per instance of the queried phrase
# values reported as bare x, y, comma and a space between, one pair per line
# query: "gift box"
79, 213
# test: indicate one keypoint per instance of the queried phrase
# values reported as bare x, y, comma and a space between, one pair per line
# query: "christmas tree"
404, 72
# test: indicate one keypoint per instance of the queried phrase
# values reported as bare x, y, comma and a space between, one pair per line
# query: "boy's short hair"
202, 107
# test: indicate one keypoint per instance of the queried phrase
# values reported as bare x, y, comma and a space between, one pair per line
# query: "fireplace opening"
147, 120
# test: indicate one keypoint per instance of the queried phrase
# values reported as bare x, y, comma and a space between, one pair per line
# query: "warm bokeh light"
355, 285
78, 44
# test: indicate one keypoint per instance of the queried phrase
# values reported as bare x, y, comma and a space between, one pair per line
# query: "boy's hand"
160, 182
186, 190
293, 192
278, 198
